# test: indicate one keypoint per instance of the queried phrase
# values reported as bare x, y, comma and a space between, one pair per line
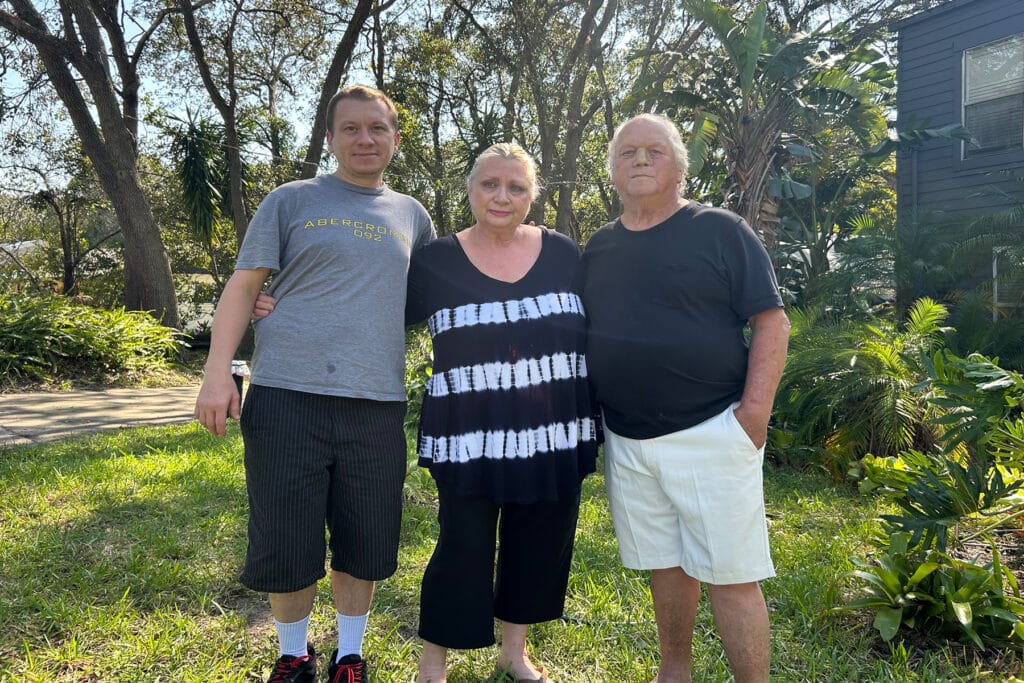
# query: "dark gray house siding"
935, 180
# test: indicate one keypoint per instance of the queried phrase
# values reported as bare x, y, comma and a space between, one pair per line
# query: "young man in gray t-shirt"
323, 418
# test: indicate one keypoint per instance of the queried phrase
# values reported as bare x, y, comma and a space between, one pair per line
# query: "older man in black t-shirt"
669, 289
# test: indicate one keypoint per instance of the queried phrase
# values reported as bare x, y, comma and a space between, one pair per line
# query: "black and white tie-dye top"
507, 411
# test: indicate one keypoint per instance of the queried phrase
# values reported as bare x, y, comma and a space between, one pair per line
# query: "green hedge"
47, 338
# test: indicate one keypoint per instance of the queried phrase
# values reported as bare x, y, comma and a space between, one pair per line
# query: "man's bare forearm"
769, 342
234, 311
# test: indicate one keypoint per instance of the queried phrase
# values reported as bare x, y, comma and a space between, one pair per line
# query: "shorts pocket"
738, 429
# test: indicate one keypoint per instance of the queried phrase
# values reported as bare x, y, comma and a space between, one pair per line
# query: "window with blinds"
994, 97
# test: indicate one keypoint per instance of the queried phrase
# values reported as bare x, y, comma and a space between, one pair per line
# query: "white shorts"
692, 499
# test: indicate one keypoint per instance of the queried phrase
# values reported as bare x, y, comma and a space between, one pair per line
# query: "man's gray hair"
671, 133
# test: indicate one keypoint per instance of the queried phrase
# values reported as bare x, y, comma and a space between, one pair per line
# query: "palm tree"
761, 86
198, 151
851, 387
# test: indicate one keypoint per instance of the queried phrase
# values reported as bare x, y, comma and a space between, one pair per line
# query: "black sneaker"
351, 669
290, 669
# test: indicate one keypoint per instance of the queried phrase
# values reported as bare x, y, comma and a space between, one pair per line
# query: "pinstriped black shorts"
315, 461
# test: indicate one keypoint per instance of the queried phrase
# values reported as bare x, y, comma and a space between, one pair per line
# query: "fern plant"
43, 338
850, 387
976, 467
941, 492
976, 396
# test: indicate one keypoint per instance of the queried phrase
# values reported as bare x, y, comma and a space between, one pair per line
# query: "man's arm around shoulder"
769, 340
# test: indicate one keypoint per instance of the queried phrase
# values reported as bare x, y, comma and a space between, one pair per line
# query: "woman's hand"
263, 306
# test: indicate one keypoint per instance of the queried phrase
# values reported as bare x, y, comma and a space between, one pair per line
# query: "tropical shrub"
962, 492
936, 594
418, 366
848, 387
976, 331
951, 260
48, 338
936, 492
418, 362
981, 402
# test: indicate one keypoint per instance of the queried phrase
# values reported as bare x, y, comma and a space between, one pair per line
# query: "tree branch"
339, 65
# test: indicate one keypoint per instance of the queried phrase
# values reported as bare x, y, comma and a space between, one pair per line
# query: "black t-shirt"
667, 308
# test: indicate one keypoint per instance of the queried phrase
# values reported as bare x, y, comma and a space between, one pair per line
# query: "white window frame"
1010, 84
997, 304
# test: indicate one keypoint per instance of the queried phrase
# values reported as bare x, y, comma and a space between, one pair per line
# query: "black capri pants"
313, 460
461, 595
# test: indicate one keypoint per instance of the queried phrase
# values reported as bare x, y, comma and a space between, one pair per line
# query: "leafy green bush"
976, 332
936, 492
848, 388
979, 399
418, 362
45, 338
963, 490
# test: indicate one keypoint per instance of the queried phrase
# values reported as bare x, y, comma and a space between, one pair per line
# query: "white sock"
350, 634
291, 638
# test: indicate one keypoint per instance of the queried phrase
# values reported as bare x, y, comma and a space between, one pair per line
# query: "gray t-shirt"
339, 254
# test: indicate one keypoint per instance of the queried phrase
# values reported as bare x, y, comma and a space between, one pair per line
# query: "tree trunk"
239, 214
148, 284
562, 118
749, 140
339, 65
438, 167
226, 106
146, 265
68, 260
63, 211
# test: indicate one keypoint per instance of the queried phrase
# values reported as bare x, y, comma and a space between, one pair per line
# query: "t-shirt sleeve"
415, 297
261, 247
574, 256
425, 233
753, 287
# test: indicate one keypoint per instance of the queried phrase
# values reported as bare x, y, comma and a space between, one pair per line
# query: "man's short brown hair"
366, 94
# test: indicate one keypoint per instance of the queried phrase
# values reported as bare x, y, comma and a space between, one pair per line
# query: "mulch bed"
1010, 545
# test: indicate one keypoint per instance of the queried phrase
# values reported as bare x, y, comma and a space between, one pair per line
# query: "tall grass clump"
50, 338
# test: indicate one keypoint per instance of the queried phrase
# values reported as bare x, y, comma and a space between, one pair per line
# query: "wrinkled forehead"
495, 166
642, 133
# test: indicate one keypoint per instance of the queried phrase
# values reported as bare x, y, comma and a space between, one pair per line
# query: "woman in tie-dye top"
507, 429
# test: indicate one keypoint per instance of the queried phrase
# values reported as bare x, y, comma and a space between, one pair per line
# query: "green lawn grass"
119, 556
